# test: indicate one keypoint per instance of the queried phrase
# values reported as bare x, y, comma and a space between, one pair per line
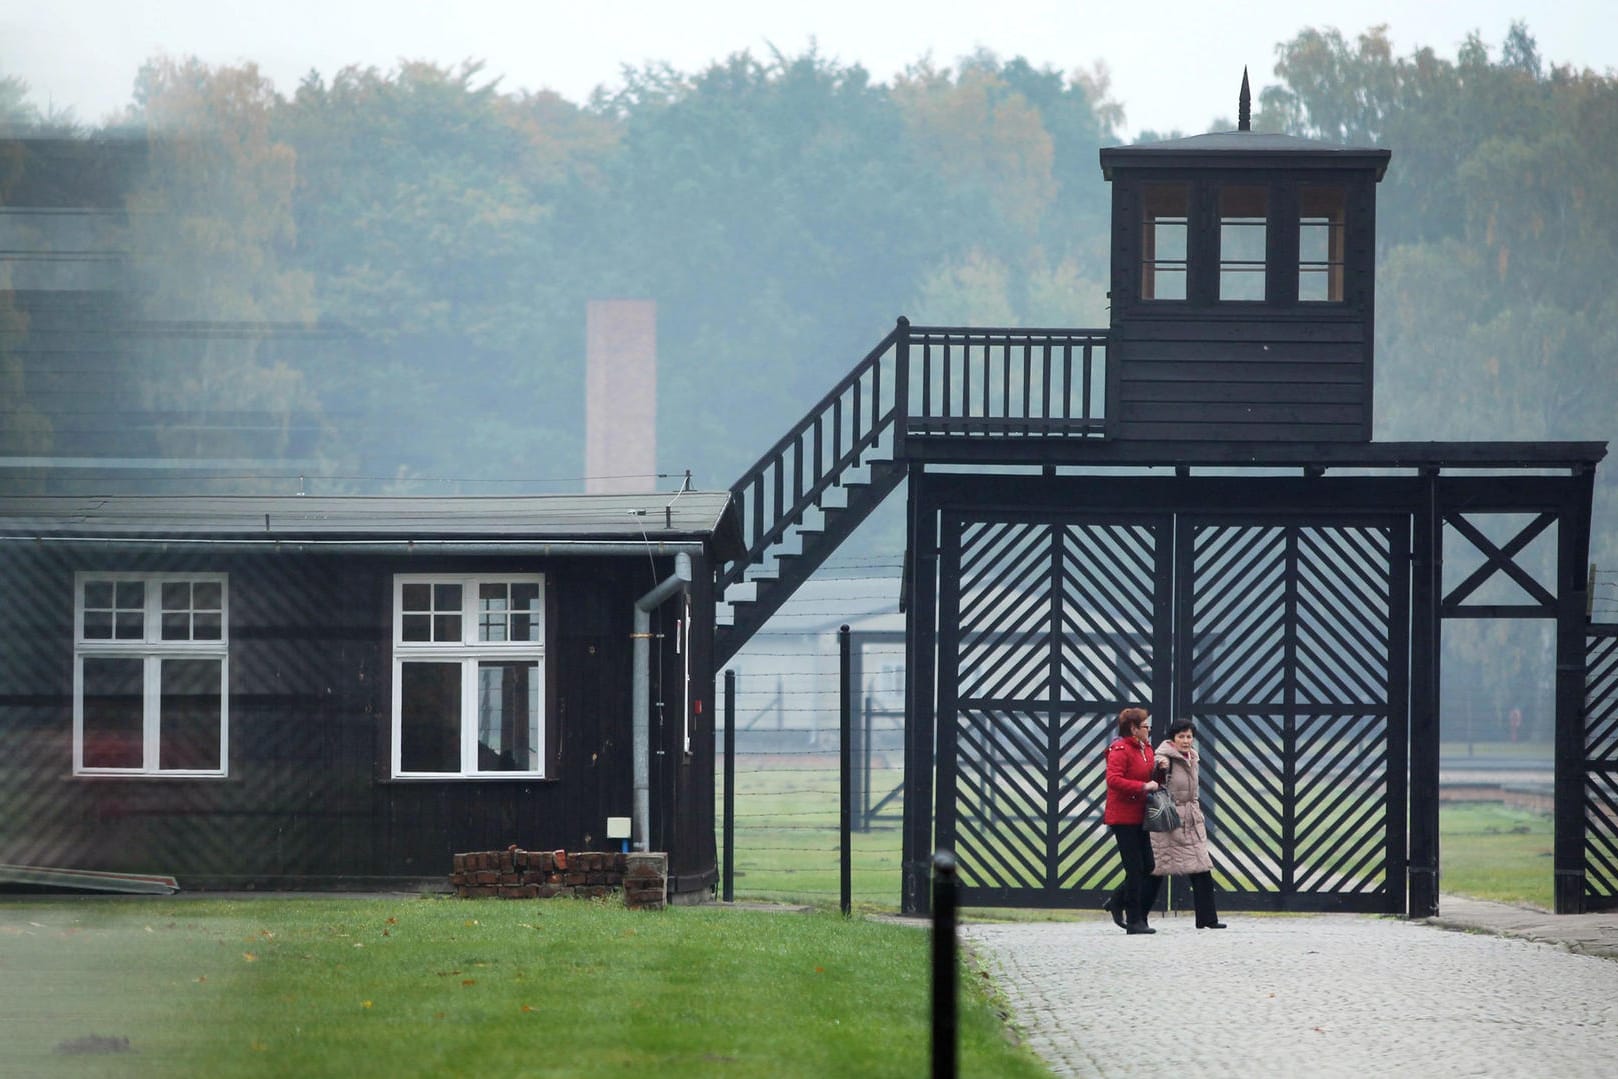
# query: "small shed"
339, 692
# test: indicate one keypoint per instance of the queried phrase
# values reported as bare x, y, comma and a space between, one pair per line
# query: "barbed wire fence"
1603, 594
787, 774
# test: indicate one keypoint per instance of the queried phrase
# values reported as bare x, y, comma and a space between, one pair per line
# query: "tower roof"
1243, 149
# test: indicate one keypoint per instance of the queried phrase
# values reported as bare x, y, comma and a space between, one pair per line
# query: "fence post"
729, 893
845, 725
944, 965
901, 388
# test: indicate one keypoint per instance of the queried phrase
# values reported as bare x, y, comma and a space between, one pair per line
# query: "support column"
920, 643
1426, 639
1572, 557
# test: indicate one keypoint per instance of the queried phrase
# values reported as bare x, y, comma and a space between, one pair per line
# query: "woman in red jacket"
1130, 767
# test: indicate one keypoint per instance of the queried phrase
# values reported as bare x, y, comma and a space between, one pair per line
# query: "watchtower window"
1165, 228
1243, 224
1320, 244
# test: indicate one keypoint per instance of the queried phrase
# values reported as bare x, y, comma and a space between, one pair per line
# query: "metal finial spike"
1244, 106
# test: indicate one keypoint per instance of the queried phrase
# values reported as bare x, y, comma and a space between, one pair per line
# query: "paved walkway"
1521, 993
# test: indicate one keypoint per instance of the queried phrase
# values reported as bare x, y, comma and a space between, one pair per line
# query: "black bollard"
944, 965
845, 787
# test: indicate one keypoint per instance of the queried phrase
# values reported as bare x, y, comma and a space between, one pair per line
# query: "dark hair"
1181, 725
1129, 718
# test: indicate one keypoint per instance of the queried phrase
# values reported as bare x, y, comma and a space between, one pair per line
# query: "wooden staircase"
1007, 393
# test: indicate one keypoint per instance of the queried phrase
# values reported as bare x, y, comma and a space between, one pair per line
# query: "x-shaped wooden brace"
1500, 558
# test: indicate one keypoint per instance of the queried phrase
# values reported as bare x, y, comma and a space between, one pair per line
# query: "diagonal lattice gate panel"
1047, 627
1046, 631
1601, 769
1292, 631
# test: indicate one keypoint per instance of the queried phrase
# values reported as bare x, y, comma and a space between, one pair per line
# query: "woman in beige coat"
1185, 849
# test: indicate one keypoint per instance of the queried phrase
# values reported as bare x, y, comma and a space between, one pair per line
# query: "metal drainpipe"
641, 721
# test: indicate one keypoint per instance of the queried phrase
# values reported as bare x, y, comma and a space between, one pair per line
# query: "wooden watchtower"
1185, 510
1243, 289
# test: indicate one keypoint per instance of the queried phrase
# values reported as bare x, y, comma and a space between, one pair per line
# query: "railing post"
901, 388
729, 892
944, 965
845, 755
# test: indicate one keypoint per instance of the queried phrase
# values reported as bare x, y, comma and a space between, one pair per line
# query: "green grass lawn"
1492, 851
441, 987
787, 836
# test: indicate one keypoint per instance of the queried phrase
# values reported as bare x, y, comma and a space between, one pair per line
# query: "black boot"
1116, 909
1136, 928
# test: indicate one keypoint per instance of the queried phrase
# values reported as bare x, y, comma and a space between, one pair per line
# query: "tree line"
421, 245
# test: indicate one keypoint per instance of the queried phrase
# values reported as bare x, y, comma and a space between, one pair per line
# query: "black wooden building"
1187, 510
342, 692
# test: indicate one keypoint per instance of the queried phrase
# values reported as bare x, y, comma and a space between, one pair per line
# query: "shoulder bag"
1161, 816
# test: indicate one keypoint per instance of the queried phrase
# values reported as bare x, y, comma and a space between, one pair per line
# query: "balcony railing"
961, 382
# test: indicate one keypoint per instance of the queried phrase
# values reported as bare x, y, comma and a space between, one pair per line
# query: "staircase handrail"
771, 460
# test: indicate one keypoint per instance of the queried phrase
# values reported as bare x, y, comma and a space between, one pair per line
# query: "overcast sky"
1175, 64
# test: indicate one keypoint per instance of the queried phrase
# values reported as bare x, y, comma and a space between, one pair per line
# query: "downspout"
641, 719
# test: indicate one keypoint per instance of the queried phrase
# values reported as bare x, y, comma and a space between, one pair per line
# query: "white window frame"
152, 650
468, 652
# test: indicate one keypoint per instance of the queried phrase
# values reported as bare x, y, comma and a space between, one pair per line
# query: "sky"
1174, 64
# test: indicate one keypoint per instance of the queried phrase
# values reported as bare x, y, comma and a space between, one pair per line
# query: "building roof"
1244, 149
660, 517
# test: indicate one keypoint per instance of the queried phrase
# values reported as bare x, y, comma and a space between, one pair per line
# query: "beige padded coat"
1184, 850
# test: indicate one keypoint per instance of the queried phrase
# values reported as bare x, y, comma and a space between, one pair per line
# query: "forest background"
377, 283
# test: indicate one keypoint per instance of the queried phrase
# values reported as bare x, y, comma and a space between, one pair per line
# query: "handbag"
1161, 816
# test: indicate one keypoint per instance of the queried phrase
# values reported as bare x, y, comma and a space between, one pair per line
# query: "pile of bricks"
514, 873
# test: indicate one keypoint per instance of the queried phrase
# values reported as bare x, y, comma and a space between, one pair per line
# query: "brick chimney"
620, 396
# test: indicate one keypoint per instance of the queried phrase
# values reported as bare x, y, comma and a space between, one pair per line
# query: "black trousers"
1137, 895
1202, 897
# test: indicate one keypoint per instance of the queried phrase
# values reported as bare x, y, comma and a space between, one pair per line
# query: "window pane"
417, 627
430, 717
207, 596
447, 627
508, 717
417, 597
131, 625
131, 595
112, 712
1314, 285
98, 625
206, 627
98, 594
446, 597
1165, 224
1243, 236
492, 604
525, 612
1322, 211
176, 595
176, 627
189, 715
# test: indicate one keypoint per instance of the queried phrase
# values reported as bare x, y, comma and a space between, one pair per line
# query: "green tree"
211, 229
428, 217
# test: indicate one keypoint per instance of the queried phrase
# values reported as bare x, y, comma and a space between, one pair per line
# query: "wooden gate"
1601, 769
1284, 638
1294, 645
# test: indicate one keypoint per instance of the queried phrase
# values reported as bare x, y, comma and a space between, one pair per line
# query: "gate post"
1572, 554
920, 648
1426, 637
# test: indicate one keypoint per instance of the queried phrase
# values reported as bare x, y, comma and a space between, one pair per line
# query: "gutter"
640, 722
400, 546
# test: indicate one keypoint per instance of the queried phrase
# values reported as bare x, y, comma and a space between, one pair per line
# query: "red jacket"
1129, 768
